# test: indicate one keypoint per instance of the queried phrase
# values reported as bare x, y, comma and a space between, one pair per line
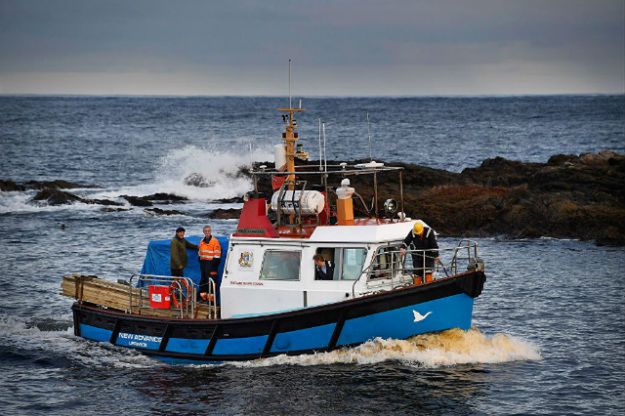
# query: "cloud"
346, 47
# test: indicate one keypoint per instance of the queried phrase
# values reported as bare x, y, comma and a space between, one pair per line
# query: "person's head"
207, 231
319, 260
418, 227
180, 232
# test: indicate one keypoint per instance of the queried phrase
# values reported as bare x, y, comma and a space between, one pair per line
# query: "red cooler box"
159, 297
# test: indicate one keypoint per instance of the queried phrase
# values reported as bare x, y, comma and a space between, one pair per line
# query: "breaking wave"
448, 348
218, 172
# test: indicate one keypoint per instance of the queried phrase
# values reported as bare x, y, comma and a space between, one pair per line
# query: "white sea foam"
23, 336
448, 348
218, 168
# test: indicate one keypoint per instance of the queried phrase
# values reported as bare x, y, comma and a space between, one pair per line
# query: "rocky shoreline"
581, 197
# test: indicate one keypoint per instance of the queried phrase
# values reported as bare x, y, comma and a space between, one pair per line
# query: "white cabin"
269, 275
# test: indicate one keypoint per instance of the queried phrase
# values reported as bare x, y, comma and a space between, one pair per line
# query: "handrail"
212, 298
391, 262
186, 308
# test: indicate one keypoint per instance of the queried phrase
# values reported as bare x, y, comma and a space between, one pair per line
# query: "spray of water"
55, 341
448, 348
198, 174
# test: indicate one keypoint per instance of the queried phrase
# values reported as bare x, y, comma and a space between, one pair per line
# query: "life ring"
173, 290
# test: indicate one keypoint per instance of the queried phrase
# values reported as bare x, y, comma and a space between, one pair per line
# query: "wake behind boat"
272, 299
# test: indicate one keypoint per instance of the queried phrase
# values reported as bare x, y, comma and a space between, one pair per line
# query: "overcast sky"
348, 47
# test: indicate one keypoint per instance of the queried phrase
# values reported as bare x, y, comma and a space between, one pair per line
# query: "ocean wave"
219, 169
54, 342
448, 348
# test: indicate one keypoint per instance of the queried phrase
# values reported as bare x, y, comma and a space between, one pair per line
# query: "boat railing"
183, 292
392, 268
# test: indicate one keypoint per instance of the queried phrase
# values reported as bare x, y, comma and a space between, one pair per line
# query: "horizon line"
314, 96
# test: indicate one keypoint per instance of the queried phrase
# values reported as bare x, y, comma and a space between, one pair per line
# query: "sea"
548, 332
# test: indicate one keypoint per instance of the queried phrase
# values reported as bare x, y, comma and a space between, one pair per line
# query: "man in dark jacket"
324, 270
424, 249
178, 257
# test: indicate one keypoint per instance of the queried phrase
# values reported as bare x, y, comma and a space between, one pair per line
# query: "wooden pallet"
117, 296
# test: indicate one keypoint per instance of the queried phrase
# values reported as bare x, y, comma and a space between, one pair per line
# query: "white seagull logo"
418, 317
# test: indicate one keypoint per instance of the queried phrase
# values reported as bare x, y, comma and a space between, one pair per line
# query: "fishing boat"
269, 301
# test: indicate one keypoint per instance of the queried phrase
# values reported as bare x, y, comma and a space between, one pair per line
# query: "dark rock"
8, 185
165, 198
102, 202
56, 197
109, 209
158, 211
11, 186
567, 197
225, 214
137, 201
233, 200
195, 179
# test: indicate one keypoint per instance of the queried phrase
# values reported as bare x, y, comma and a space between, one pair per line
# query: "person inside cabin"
421, 241
178, 253
324, 269
209, 253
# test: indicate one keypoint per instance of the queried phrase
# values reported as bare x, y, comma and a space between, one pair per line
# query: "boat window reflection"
353, 261
280, 265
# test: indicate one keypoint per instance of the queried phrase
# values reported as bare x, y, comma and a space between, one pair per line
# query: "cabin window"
386, 263
343, 263
280, 265
353, 260
330, 255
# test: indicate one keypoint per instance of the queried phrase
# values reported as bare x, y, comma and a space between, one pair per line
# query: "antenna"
325, 157
369, 134
320, 151
290, 106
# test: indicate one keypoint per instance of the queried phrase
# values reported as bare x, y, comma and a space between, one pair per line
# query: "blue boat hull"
399, 314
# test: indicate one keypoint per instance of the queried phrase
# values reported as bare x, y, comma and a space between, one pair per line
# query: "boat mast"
290, 136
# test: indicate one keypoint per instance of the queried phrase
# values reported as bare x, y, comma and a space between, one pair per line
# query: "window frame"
339, 258
299, 266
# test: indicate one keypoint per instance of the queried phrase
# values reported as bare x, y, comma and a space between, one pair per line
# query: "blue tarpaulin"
157, 259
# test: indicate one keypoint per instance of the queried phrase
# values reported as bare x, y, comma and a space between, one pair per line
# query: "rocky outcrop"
149, 200
56, 197
568, 197
53, 196
165, 198
9, 185
137, 201
159, 211
225, 214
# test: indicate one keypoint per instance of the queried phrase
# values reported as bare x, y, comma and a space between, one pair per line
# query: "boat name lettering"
256, 231
247, 283
137, 337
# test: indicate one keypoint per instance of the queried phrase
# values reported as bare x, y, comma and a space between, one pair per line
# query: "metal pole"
375, 192
290, 84
369, 135
320, 151
325, 157
401, 193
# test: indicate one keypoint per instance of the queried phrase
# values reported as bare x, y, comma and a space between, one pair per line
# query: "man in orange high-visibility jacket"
210, 256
